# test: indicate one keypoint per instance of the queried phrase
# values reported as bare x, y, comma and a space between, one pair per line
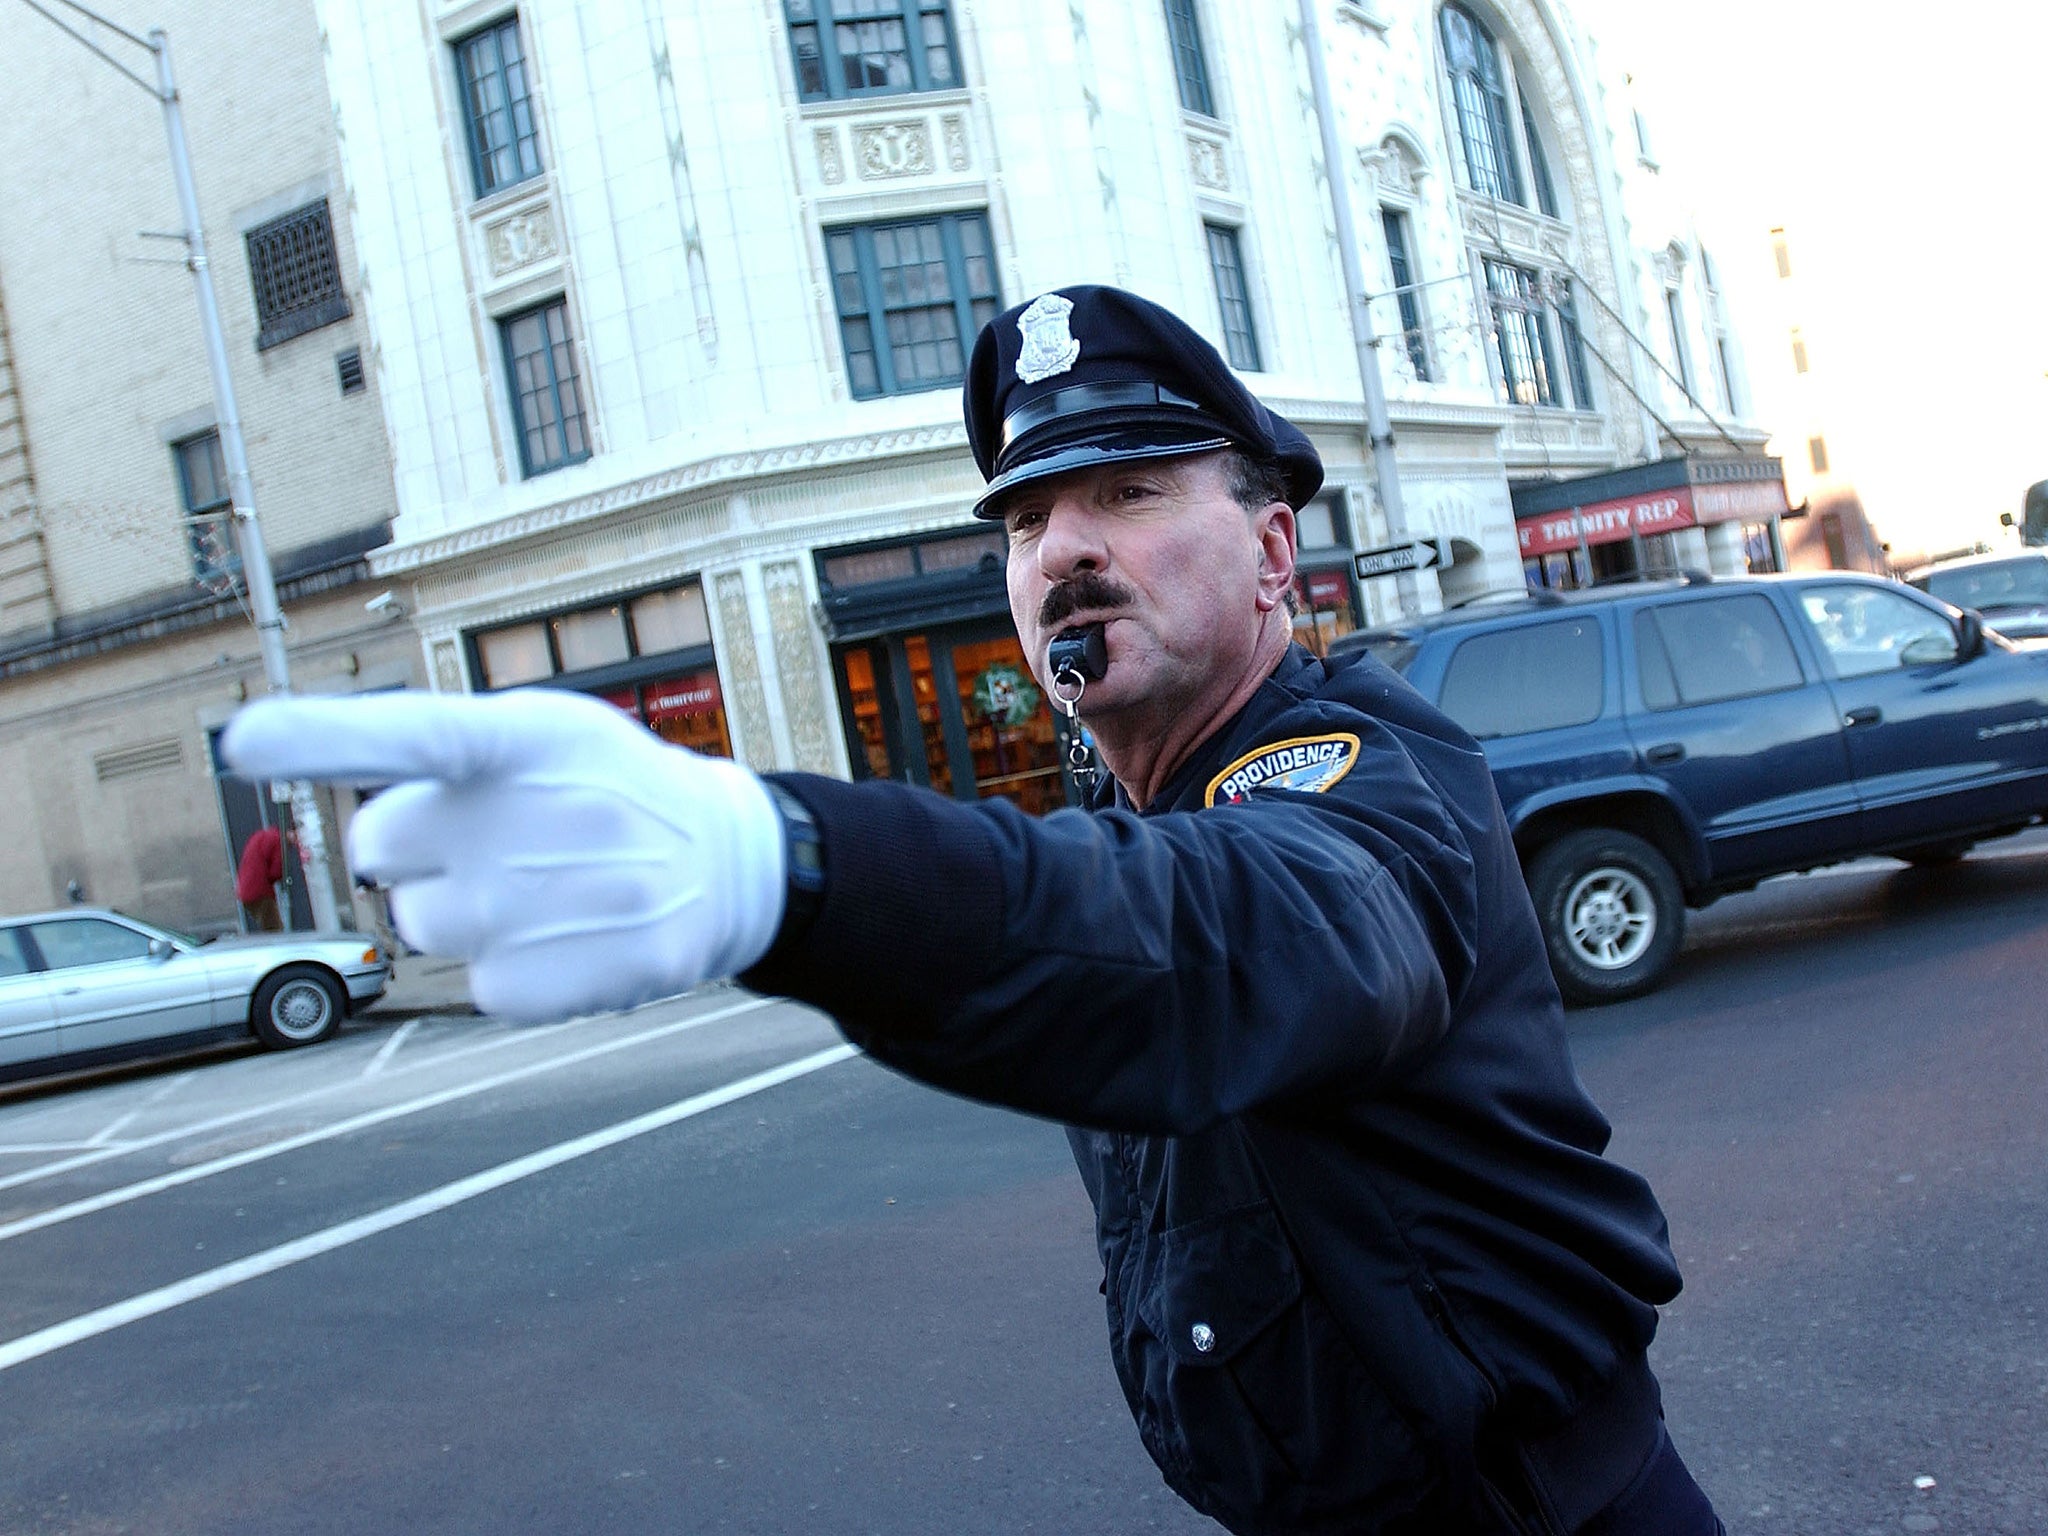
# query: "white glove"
573, 859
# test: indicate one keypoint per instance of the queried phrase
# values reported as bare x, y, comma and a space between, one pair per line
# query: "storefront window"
593, 637
866, 704
513, 656
689, 711
673, 620
1324, 608
938, 761
1009, 726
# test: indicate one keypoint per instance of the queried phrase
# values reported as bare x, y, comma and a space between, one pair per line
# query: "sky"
1905, 151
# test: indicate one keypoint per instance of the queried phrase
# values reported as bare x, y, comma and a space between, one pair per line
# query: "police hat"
1085, 375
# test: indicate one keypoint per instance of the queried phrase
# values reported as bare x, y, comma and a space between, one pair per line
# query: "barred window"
911, 297
497, 100
1521, 335
547, 395
1480, 95
871, 47
209, 512
296, 275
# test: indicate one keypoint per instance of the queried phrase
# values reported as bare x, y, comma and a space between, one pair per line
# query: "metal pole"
1379, 430
306, 816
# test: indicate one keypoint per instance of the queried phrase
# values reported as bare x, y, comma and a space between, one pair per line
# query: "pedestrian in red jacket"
257, 877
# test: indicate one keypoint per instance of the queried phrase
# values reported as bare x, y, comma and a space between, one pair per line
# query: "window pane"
1479, 90
503, 138
1315, 526
961, 553
547, 394
73, 941
1534, 678
870, 565
1726, 648
1190, 67
1865, 629
670, 621
925, 276
595, 637
13, 962
1226, 265
690, 711
513, 656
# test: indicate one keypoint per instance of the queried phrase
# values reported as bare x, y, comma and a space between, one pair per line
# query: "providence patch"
1306, 765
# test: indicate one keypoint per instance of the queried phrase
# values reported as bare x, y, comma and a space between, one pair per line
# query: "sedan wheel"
298, 1005
1612, 913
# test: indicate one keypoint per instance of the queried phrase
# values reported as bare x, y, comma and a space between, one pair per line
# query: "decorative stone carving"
953, 129
831, 168
1208, 164
803, 698
521, 239
447, 668
885, 150
740, 663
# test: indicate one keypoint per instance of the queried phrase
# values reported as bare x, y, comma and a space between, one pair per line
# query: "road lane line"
162, 1091
290, 1101
390, 1047
195, 1288
143, 1188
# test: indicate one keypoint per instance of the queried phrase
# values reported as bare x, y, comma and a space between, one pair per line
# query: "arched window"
1480, 93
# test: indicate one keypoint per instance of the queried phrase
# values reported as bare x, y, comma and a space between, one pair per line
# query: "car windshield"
2000, 584
179, 934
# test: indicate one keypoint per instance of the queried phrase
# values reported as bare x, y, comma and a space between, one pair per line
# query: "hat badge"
1049, 347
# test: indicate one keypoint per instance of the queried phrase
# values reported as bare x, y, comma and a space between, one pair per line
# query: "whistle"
1081, 650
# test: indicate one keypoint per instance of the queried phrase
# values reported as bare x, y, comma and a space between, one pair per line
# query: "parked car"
1660, 744
87, 985
2011, 591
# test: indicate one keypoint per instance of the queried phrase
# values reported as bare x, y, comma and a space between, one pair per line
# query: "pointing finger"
383, 738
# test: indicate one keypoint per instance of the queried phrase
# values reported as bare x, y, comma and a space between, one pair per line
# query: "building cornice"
714, 475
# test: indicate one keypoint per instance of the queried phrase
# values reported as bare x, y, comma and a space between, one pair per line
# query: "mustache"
1087, 591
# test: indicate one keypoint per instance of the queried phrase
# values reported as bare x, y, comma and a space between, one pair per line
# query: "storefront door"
955, 709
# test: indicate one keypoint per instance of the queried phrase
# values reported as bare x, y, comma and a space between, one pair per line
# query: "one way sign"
1416, 555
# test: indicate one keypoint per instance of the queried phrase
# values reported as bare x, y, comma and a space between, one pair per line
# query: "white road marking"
162, 1091
143, 1188
119, 1315
22, 1148
200, 1127
390, 1047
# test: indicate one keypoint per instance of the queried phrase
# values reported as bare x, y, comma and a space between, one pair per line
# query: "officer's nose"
1072, 541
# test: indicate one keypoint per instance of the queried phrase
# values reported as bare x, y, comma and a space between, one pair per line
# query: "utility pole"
1379, 430
263, 604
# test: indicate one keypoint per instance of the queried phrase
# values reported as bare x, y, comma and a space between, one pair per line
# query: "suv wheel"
1612, 913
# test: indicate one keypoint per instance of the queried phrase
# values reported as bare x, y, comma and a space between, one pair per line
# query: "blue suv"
1660, 744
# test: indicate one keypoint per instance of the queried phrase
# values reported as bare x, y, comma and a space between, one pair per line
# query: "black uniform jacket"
1357, 1233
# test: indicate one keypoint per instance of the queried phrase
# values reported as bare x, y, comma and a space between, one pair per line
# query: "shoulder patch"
1306, 764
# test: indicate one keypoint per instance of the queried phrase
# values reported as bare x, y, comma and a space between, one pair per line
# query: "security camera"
383, 602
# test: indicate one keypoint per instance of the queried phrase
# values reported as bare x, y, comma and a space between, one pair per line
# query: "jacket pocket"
1251, 1400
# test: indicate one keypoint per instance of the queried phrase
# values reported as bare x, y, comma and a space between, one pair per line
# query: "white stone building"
670, 301
124, 645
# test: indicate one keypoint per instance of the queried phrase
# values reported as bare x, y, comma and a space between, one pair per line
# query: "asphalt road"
696, 1269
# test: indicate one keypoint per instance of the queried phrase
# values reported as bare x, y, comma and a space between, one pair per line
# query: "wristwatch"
804, 859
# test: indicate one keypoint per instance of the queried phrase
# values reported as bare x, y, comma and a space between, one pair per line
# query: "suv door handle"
1868, 714
1665, 752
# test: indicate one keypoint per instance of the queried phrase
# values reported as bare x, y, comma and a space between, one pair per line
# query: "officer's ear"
1273, 531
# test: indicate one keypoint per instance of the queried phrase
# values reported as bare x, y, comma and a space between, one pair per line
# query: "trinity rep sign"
1602, 522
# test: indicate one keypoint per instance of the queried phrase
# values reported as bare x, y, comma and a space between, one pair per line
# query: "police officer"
1366, 1267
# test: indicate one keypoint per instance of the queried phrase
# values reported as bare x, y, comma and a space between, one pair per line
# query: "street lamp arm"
87, 43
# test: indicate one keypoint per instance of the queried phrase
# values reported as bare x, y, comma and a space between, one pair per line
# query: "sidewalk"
423, 984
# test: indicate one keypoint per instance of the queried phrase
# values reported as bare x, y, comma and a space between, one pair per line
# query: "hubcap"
301, 1010
1611, 917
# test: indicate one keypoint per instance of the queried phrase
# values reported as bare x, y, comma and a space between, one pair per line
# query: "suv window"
1702, 652
1537, 677
70, 941
1866, 629
1993, 584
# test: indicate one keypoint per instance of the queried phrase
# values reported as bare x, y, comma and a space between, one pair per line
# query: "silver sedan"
86, 985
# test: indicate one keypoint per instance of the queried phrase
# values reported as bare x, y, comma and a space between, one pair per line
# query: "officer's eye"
1023, 519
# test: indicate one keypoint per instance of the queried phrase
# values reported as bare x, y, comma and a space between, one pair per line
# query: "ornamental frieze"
887, 150
521, 239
